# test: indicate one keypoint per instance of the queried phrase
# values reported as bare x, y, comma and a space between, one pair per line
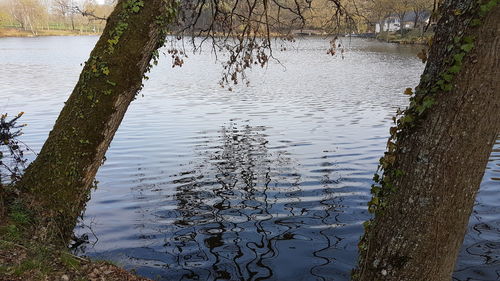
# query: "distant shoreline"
411, 38
18, 32
393, 38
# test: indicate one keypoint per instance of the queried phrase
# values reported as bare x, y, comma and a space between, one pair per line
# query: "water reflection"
242, 214
479, 258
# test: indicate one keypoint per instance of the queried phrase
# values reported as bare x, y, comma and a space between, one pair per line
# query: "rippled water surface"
267, 182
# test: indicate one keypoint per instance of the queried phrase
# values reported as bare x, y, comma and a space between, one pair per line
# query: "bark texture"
57, 184
441, 159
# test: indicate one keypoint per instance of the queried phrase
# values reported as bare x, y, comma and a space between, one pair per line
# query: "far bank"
19, 32
408, 37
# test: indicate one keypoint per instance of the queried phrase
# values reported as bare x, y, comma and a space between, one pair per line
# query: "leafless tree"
245, 29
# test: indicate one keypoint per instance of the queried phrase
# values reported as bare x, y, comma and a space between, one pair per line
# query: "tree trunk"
417, 17
32, 29
382, 26
438, 153
72, 21
57, 184
401, 23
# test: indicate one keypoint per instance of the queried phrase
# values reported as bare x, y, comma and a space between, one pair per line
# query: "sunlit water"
267, 182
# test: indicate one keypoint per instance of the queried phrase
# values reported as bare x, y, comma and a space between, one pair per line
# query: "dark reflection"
245, 209
243, 215
396, 51
479, 258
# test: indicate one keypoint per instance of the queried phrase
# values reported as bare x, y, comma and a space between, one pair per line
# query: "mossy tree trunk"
438, 152
57, 184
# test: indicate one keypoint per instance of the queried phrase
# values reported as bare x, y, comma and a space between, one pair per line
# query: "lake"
265, 182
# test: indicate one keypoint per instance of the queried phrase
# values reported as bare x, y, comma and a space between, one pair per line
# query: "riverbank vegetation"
411, 37
22, 18
19, 32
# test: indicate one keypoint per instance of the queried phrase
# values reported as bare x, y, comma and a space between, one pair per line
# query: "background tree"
378, 11
401, 9
64, 8
5, 18
27, 13
37, 15
420, 8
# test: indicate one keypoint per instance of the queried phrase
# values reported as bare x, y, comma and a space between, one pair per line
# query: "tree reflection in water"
243, 215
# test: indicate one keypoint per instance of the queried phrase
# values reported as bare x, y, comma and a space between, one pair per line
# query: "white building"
390, 23
393, 23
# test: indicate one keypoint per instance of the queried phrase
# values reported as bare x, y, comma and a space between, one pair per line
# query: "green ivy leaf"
475, 22
468, 39
459, 57
467, 47
374, 202
105, 70
407, 119
447, 77
428, 102
455, 69
447, 87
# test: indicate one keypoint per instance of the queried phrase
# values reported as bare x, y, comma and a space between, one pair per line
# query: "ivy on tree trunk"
438, 151
56, 186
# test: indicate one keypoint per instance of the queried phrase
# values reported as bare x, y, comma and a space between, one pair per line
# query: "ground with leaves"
29, 261
25, 257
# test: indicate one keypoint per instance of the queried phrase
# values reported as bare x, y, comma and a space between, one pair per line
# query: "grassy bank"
29, 261
18, 32
410, 37
25, 257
